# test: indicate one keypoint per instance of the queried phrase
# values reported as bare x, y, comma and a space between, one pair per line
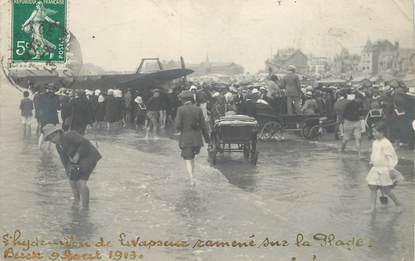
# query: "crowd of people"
193, 107
155, 109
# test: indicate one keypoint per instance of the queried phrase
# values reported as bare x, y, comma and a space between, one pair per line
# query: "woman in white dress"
383, 160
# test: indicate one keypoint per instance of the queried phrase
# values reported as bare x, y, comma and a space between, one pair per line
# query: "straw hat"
255, 91
138, 99
216, 94
61, 91
233, 89
193, 88
351, 97
101, 98
49, 129
291, 68
118, 93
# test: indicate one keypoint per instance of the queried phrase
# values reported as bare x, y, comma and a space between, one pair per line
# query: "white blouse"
383, 154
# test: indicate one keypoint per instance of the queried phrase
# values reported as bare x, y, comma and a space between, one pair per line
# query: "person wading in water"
78, 156
191, 124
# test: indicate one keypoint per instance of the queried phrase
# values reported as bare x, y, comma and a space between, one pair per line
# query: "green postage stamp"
38, 31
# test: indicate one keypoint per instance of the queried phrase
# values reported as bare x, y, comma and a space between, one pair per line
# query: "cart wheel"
306, 132
268, 131
254, 157
246, 151
314, 133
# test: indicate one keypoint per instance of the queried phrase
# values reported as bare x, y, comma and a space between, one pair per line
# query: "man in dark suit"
191, 123
291, 83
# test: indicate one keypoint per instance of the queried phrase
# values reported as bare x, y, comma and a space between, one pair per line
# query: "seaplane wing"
148, 79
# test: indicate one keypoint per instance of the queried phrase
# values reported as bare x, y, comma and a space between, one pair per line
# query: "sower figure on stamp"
191, 123
78, 156
34, 24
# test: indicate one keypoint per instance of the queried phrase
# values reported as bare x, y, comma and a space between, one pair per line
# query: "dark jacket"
73, 143
26, 107
154, 104
190, 121
100, 111
81, 114
353, 111
48, 108
291, 82
36, 103
111, 108
248, 108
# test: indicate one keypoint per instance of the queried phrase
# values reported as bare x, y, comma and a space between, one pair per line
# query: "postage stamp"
38, 31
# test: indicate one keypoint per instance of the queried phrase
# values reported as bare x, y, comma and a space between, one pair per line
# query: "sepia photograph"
207, 130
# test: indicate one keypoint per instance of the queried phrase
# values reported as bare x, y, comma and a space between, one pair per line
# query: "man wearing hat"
128, 106
78, 156
48, 109
153, 113
404, 111
339, 106
310, 106
50, 106
191, 124
248, 106
81, 113
352, 115
37, 102
291, 83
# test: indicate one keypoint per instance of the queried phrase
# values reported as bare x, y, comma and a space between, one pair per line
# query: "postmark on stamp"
38, 31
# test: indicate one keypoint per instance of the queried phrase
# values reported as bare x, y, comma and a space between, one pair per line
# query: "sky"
116, 34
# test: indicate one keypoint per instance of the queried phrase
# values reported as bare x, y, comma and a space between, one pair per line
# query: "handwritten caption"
125, 247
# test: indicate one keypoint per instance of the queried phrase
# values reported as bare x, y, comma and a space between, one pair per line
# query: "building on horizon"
285, 57
345, 63
383, 57
318, 65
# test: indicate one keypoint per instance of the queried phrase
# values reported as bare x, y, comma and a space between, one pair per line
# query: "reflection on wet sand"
140, 188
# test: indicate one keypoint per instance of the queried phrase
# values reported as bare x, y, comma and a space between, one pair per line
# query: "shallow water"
140, 188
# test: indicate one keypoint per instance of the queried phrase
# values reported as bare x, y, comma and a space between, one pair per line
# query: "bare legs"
81, 192
75, 191
357, 141
27, 130
190, 166
373, 197
388, 192
152, 124
163, 117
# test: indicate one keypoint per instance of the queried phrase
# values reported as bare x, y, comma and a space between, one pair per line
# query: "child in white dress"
383, 160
